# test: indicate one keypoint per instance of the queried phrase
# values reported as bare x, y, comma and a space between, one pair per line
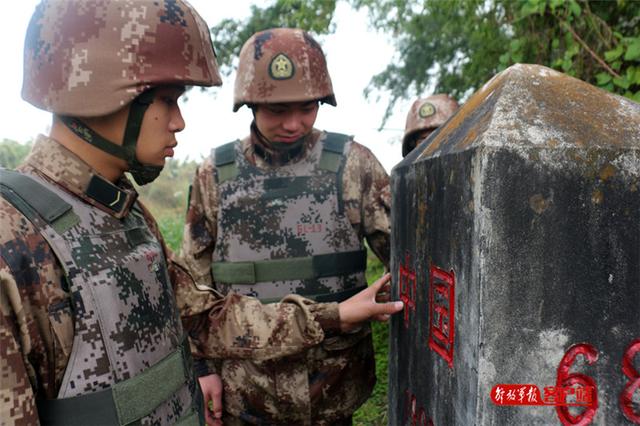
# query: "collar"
260, 152
62, 167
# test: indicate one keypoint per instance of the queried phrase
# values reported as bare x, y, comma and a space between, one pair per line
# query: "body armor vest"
129, 352
284, 231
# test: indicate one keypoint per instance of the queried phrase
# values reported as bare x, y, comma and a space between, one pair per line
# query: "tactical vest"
284, 231
130, 361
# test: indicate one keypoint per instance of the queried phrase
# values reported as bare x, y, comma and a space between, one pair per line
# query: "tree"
229, 35
455, 46
12, 153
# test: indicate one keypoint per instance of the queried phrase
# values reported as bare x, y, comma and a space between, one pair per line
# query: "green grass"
172, 228
374, 411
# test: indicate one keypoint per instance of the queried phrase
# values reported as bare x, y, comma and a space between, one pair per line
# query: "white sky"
354, 54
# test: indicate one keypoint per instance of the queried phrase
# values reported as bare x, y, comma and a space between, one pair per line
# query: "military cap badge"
281, 67
426, 110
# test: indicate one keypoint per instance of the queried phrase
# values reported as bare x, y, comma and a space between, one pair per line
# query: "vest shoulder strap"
332, 151
32, 198
225, 161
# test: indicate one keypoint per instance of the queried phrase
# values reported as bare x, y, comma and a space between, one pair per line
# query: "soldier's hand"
211, 386
363, 306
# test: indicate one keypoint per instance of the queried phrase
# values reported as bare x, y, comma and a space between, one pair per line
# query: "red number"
566, 379
633, 384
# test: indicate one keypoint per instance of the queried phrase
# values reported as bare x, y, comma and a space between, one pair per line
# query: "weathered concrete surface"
530, 195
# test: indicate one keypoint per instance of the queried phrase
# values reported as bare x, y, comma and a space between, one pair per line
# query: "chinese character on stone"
407, 289
442, 312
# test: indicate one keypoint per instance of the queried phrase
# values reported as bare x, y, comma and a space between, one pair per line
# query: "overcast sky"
354, 54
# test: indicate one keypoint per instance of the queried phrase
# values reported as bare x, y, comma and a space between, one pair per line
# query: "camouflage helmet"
428, 113
91, 58
282, 65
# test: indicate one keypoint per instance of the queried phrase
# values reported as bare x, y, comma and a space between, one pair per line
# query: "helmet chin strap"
142, 173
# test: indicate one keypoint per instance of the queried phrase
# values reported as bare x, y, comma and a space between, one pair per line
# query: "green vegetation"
166, 198
229, 35
12, 153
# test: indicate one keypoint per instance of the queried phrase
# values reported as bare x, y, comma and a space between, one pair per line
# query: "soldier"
285, 210
90, 331
424, 117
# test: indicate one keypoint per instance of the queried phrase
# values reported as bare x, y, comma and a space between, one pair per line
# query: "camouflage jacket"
328, 382
36, 332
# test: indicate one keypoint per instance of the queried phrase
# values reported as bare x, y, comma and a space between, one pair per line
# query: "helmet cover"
429, 113
282, 65
91, 58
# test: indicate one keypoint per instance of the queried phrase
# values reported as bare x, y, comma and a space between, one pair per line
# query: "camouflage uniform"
88, 289
327, 383
256, 210
38, 323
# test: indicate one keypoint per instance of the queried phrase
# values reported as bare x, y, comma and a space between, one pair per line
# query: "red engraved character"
411, 407
407, 289
522, 392
442, 312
